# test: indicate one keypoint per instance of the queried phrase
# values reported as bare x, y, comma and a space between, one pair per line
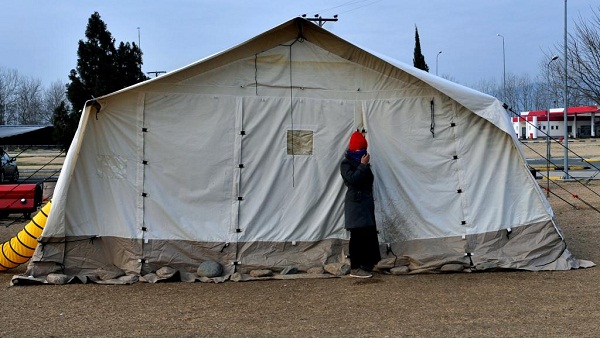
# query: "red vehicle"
20, 198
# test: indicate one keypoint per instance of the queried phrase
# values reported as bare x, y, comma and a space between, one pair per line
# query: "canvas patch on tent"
299, 142
108, 166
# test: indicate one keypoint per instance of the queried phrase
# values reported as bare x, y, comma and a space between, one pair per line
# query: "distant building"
582, 122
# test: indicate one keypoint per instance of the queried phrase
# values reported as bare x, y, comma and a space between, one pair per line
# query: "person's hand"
365, 159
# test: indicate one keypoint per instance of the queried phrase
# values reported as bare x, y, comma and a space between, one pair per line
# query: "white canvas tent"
235, 158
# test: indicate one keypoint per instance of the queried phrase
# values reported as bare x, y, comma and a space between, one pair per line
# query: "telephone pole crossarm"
320, 19
157, 72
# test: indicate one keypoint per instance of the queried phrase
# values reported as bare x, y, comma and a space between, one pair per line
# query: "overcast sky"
39, 38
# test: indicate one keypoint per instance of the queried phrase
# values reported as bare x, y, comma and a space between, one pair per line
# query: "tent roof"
482, 104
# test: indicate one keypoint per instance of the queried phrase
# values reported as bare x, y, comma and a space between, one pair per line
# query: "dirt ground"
482, 304
584, 148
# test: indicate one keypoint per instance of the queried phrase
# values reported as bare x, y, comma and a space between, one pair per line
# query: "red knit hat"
357, 142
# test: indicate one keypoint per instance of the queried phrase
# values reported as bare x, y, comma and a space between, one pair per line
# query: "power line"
350, 4
350, 10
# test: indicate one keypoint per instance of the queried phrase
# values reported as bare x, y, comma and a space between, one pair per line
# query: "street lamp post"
436, 62
565, 114
503, 67
548, 153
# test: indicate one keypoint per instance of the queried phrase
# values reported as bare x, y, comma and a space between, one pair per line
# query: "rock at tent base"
400, 270
129, 279
57, 278
165, 272
238, 277
386, 263
209, 269
338, 269
452, 268
317, 270
261, 273
109, 272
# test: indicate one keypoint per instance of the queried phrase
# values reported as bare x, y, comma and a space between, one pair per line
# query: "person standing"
359, 207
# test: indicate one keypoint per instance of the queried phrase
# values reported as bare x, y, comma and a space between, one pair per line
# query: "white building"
582, 123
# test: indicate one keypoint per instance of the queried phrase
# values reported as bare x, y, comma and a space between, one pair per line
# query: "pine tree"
129, 63
102, 68
419, 59
64, 126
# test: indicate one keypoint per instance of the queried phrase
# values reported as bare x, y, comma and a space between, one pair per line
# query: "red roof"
557, 113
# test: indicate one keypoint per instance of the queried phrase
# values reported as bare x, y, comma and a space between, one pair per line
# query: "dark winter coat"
359, 206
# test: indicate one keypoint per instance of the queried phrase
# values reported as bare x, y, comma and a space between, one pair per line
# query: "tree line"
102, 68
25, 101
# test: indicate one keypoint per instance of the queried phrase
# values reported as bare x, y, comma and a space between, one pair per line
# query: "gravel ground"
483, 304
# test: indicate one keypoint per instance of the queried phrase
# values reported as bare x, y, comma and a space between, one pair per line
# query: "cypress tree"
419, 59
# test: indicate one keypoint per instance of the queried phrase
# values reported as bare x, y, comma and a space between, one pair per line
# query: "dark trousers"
364, 248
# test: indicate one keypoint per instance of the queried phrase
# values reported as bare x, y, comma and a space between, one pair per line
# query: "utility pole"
565, 112
320, 19
504, 68
548, 152
157, 72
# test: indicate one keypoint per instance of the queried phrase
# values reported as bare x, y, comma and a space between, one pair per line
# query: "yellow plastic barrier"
20, 248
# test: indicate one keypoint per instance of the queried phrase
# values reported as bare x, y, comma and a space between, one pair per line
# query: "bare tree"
528, 93
52, 98
29, 101
511, 92
449, 78
583, 63
488, 86
25, 101
522, 92
554, 89
9, 82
